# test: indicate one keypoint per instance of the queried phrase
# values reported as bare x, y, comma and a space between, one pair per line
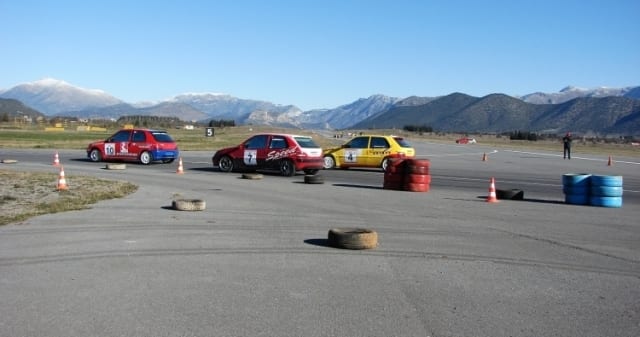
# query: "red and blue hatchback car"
137, 145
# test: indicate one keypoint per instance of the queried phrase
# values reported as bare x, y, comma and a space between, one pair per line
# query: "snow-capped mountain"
223, 106
51, 96
571, 92
347, 115
56, 97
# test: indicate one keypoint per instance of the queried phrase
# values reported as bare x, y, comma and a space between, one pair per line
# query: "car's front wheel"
385, 163
95, 155
146, 158
287, 168
329, 162
225, 164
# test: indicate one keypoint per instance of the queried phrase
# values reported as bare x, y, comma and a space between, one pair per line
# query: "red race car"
271, 151
466, 140
142, 145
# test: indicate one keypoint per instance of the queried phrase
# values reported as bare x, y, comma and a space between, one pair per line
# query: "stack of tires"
394, 175
575, 187
407, 175
595, 190
606, 191
417, 177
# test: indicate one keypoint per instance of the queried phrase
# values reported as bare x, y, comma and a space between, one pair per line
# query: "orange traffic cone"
62, 182
492, 191
610, 162
180, 168
56, 159
484, 157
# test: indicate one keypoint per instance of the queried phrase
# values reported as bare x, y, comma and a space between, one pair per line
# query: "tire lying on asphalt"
252, 176
353, 238
313, 179
116, 166
513, 194
189, 204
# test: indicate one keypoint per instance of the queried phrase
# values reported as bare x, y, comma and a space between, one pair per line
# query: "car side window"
278, 143
121, 136
359, 143
379, 143
257, 142
139, 137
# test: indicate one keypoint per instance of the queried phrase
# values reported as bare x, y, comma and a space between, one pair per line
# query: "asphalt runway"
256, 261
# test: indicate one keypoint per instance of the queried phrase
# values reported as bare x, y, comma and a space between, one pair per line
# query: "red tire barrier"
396, 165
393, 178
417, 179
414, 187
408, 175
394, 175
393, 186
418, 162
412, 169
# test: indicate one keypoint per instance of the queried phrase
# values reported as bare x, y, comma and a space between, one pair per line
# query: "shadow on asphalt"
359, 186
318, 242
86, 160
541, 201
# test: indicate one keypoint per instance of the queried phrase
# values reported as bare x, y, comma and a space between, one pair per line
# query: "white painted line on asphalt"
506, 181
457, 154
574, 157
521, 182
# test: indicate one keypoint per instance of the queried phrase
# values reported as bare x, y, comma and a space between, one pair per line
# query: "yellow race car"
368, 151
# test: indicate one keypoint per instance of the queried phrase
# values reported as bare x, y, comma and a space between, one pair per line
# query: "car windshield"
162, 137
402, 142
306, 142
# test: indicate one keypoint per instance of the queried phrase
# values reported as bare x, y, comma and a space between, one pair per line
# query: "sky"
320, 54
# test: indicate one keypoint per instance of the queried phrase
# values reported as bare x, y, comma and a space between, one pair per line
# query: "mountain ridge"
493, 112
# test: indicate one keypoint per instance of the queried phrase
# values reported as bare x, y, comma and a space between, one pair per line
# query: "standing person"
566, 141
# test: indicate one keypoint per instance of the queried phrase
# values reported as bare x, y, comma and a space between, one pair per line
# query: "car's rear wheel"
287, 168
328, 162
225, 164
95, 155
146, 158
168, 161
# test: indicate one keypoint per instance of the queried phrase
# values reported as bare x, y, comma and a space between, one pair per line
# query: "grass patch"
188, 140
28, 194
195, 140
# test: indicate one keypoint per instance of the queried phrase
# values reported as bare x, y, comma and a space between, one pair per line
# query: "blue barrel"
576, 188
605, 191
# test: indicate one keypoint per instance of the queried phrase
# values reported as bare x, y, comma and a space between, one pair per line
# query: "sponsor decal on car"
279, 154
